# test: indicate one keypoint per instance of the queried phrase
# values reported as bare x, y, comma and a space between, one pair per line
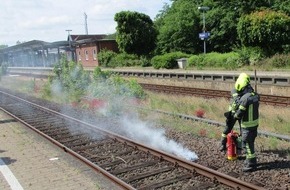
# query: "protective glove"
230, 121
228, 114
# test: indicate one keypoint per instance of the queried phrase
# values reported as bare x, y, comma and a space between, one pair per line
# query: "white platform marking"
8, 175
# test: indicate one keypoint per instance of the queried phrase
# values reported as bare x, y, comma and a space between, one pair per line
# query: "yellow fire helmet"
242, 81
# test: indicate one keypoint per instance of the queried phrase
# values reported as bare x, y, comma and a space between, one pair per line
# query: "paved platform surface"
30, 162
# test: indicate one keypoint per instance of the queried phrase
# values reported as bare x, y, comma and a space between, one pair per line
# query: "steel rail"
210, 93
214, 123
116, 180
191, 166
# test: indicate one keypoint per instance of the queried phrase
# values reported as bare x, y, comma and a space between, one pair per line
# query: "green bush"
250, 55
145, 62
232, 63
46, 91
277, 61
211, 59
167, 61
218, 59
109, 58
105, 57
196, 61
157, 61
215, 60
99, 75
106, 84
125, 60
70, 79
135, 89
280, 61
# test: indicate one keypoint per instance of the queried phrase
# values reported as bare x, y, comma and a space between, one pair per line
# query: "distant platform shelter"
78, 48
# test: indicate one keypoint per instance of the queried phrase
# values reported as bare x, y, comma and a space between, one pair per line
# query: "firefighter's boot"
223, 146
250, 164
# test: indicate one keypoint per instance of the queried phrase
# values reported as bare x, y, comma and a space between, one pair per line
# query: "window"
80, 58
87, 54
95, 54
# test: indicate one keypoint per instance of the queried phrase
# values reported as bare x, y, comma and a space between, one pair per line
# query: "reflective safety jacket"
235, 101
248, 110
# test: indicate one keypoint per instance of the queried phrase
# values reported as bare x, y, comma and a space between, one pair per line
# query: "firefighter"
245, 108
248, 113
234, 104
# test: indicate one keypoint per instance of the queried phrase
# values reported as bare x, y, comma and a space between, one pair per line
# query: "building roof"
84, 39
34, 44
25, 45
71, 40
75, 38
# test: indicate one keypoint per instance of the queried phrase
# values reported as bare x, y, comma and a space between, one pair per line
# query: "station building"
79, 48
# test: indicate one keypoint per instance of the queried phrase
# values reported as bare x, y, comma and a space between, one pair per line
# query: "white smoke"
131, 126
142, 132
126, 122
56, 88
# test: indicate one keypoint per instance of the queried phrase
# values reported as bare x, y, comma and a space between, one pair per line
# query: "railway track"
206, 93
209, 93
129, 164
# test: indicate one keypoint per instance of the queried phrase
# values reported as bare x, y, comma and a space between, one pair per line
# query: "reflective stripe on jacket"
248, 110
234, 103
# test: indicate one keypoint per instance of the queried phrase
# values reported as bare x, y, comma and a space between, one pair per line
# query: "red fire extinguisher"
232, 145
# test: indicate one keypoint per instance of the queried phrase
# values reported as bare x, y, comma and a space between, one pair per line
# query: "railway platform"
30, 162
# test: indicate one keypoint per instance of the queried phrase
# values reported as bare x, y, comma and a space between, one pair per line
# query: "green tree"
282, 5
178, 28
270, 30
135, 33
221, 23
179, 24
159, 19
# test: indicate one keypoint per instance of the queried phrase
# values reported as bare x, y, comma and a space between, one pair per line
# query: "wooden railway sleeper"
76, 144
131, 168
71, 139
62, 137
107, 166
96, 158
148, 174
205, 185
56, 132
85, 147
166, 182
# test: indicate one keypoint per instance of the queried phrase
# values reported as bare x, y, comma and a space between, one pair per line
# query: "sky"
50, 20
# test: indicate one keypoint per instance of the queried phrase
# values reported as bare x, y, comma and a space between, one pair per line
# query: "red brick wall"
87, 54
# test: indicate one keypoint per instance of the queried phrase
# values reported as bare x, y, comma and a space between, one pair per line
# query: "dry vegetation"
273, 119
